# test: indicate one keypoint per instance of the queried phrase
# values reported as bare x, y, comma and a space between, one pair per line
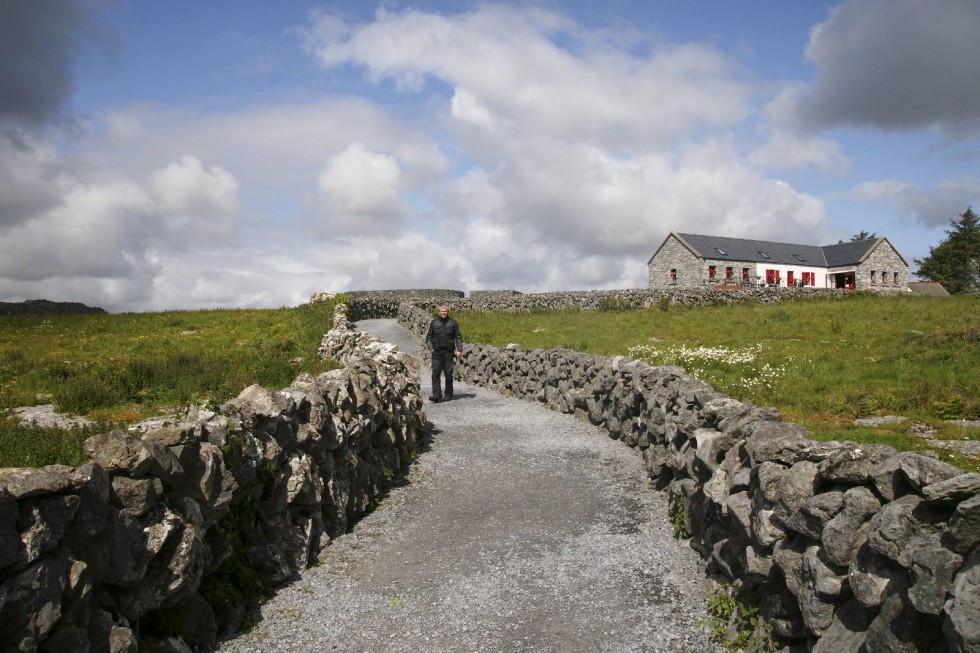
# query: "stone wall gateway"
162, 539
845, 547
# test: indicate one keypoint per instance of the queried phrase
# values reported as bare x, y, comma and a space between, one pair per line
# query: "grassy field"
122, 368
821, 362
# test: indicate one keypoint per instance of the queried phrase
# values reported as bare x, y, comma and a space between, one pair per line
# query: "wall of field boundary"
844, 547
385, 303
165, 540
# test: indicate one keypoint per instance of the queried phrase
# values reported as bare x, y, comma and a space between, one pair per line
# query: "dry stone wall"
845, 547
386, 303
162, 539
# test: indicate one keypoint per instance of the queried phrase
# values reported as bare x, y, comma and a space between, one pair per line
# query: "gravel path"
518, 530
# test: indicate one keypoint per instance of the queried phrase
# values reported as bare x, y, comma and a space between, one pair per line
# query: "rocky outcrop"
165, 537
845, 547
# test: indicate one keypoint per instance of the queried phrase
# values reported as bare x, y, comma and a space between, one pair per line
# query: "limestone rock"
910, 472
955, 489
23, 483
962, 623
853, 464
964, 527
30, 603
138, 496
815, 512
902, 525
932, 567
796, 486
44, 520
847, 630
775, 441
899, 628
870, 577
797, 559
846, 531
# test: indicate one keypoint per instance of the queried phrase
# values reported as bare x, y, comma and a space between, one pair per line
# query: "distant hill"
45, 307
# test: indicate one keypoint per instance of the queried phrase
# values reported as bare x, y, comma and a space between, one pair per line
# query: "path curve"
518, 530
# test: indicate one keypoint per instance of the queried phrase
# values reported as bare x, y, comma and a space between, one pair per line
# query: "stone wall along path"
518, 529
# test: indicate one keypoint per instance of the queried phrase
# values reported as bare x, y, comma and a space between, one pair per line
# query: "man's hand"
459, 354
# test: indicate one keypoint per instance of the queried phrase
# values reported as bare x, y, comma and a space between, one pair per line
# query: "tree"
864, 235
955, 261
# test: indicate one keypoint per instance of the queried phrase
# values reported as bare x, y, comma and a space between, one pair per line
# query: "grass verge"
822, 362
122, 368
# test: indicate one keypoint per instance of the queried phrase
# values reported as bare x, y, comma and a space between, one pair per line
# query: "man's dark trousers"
442, 362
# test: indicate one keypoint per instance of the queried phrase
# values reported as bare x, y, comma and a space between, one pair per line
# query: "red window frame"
673, 275
745, 274
874, 281
789, 278
712, 271
729, 274
894, 278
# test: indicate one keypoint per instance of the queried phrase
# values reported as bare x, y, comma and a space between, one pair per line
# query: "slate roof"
933, 288
765, 251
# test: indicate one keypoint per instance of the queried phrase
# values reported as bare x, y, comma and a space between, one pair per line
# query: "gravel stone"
518, 529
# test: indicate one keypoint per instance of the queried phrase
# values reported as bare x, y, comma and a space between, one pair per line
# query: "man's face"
443, 312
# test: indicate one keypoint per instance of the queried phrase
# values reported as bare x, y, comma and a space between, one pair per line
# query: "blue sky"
223, 154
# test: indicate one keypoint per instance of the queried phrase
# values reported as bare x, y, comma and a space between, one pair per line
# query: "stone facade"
676, 265
883, 260
690, 271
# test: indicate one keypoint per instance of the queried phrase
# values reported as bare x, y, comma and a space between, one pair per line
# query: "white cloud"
929, 207
784, 151
30, 177
507, 68
195, 204
902, 64
526, 151
184, 187
361, 191
583, 153
92, 248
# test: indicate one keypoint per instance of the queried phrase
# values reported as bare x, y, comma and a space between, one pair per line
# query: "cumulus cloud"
184, 187
196, 203
360, 189
93, 247
31, 177
929, 207
582, 152
903, 64
525, 151
506, 66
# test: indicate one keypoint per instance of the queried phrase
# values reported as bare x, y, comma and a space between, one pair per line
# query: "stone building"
694, 261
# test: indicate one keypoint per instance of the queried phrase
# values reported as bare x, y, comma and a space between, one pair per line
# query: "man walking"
445, 343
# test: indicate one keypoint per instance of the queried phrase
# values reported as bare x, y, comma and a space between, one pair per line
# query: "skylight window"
720, 251
799, 258
763, 254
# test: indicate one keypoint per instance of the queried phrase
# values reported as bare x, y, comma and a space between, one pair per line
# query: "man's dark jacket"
443, 335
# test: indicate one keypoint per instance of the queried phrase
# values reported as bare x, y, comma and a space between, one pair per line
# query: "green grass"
822, 362
122, 368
